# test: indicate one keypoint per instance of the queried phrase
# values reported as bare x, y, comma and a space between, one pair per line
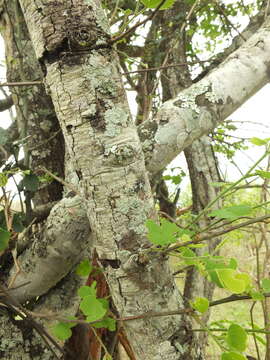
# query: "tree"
74, 121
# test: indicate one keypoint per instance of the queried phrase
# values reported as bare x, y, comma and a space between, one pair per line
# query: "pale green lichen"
115, 119
188, 98
89, 112
100, 75
121, 153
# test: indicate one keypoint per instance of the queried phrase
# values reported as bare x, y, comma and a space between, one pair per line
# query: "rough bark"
36, 121
198, 109
203, 173
84, 83
71, 40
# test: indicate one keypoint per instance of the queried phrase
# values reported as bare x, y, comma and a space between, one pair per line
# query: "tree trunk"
81, 69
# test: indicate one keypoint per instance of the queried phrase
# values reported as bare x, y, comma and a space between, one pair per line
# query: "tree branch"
198, 109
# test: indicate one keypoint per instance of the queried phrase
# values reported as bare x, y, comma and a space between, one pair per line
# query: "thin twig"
253, 334
133, 28
63, 182
228, 21
211, 235
189, 15
22, 83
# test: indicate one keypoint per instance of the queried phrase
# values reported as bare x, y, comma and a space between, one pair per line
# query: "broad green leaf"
215, 279
245, 277
266, 285
4, 239
108, 323
105, 303
256, 295
164, 234
189, 256
30, 182
228, 278
258, 141
152, 4
260, 339
92, 308
237, 337
232, 264
84, 268
62, 331
201, 304
71, 324
263, 174
232, 212
232, 355
86, 291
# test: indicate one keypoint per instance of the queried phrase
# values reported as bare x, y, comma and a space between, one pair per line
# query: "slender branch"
16, 307
163, 67
233, 298
63, 182
228, 20
211, 235
133, 28
22, 83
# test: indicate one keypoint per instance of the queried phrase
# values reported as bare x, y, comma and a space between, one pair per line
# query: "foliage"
94, 309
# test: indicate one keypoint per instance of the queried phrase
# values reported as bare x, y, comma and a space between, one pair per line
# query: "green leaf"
86, 291
256, 295
108, 323
152, 4
4, 239
232, 212
196, 246
84, 268
30, 182
164, 234
232, 355
215, 279
3, 179
62, 331
246, 278
237, 337
263, 174
71, 324
92, 308
189, 256
266, 285
229, 280
258, 141
201, 304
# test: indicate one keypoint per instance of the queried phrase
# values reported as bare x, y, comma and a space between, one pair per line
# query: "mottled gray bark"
203, 172
71, 40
